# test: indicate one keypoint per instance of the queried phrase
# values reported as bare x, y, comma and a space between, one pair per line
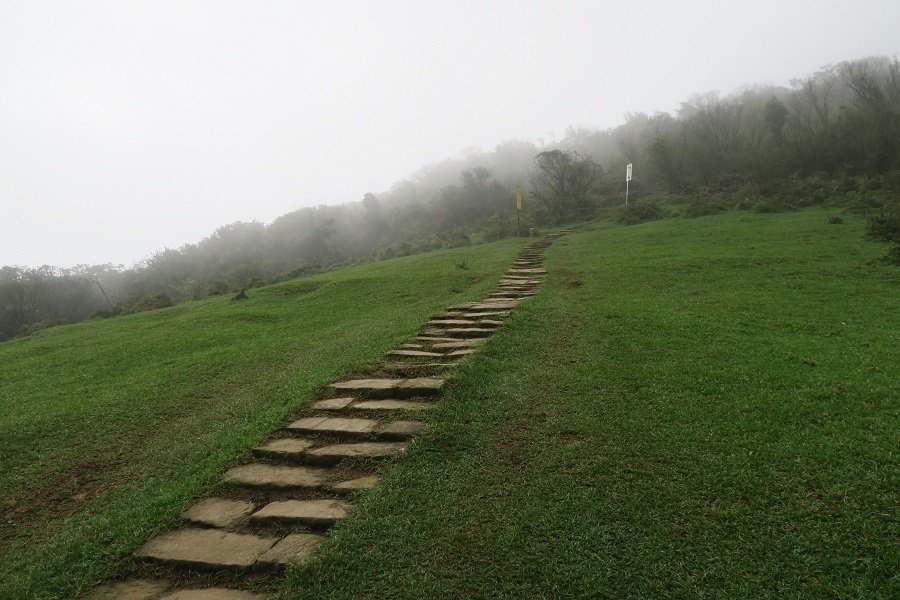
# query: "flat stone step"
335, 425
213, 593
412, 346
496, 305
292, 549
433, 338
392, 405
463, 352
280, 477
417, 386
451, 322
526, 272
333, 403
330, 455
206, 548
489, 313
457, 344
467, 332
218, 512
414, 353
283, 447
312, 513
133, 589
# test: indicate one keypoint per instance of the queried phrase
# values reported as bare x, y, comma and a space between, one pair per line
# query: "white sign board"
628, 172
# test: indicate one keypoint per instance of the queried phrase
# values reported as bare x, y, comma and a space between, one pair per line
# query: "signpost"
518, 207
627, 179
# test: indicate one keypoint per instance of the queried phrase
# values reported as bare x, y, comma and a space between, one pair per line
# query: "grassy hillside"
108, 429
688, 409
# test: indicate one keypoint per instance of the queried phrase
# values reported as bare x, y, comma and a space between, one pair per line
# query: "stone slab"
456, 344
215, 593
401, 430
449, 322
433, 338
336, 425
333, 403
413, 353
133, 589
353, 485
463, 352
496, 305
369, 387
489, 313
313, 513
420, 386
470, 331
284, 448
393, 405
218, 512
209, 548
293, 548
276, 476
329, 455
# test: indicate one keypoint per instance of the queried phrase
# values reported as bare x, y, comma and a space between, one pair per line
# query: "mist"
126, 128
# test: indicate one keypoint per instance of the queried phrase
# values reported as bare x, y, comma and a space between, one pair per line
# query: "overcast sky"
128, 126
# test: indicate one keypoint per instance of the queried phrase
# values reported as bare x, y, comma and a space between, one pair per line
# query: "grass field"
697, 408
108, 429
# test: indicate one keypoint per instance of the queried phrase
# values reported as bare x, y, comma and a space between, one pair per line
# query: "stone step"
277, 477
206, 548
218, 512
311, 513
463, 352
451, 322
489, 313
291, 549
213, 593
330, 455
333, 403
414, 354
470, 332
511, 295
384, 388
526, 272
496, 305
457, 344
433, 338
392, 405
334, 425
132, 589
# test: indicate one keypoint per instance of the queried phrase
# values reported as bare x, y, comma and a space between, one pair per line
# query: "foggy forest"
830, 138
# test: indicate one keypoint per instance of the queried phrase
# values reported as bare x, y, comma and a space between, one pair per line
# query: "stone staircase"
277, 508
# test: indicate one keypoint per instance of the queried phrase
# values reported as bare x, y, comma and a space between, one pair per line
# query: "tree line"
832, 136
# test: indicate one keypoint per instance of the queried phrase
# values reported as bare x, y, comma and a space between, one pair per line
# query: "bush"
835, 220
699, 207
639, 212
885, 223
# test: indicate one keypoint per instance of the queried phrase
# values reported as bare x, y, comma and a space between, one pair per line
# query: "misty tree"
564, 181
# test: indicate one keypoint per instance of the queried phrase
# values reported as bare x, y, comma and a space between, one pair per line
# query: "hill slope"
689, 408
120, 423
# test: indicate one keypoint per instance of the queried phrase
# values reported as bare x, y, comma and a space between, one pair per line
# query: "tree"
564, 181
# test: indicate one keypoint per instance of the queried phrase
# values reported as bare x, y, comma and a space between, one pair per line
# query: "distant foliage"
829, 139
640, 211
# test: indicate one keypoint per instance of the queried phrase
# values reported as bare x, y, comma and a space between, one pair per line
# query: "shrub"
884, 224
700, 207
835, 220
639, 212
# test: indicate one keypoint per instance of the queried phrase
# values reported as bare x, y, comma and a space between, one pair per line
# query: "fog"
126, 127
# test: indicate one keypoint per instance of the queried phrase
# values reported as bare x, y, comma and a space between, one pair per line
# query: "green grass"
699, 408
108, 429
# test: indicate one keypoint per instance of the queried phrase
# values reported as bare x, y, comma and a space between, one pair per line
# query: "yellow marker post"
518, 207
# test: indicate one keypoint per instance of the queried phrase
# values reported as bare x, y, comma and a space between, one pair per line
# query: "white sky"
128, 126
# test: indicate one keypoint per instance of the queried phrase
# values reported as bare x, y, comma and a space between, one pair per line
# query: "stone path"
277, 508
